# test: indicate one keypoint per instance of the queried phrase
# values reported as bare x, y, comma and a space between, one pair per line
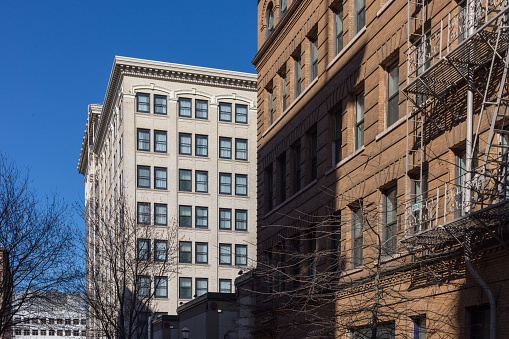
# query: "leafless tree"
38, 239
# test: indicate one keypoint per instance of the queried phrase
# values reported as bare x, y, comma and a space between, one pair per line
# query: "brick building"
381, 169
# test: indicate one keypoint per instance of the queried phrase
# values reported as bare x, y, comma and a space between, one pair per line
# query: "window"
160, 141
382, 332
357, 238
27, 332
241, 114
240, 184
185, 143
202, 181
225, 148
185, 252
269, 196
17, 331
225, 111
202, 286
83, 321
143, 102
241, 149
225, 183
159, 104
359, 121
202, 217
393, 94
76, 333
60, 321
60, 333
338, 30
479, 319
312, 254
271, 105
67, 333
270, 19
419, 195
297, 75
360, 15
161, 287
419, 327
83, 333
202, 109
35, 332
313, 58
225, 286
241, 255
185, 216
160, 250
161, 214
225, 254
185, 181
67, 321
143, 249
338, 136
296, 167
143, 176
390, 220
143, 286
202, 253
284, 90
313, 140
225, 219
185, 288
241, 220
160, 178
202, 145
143, 139
460, 172
143, 213
185, 107
281, 163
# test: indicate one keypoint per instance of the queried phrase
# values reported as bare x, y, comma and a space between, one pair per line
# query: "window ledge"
390, 128
392, 257
346, 48
384, 7
345, 160
290, 198
301, 95
351, 271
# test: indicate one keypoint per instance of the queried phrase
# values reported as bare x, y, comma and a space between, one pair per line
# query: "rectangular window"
35, 332
202, 217
359, 121
225, 254
478, 321
143, 139
143, 249
225, 286
357, 241
284, 90
159, 104
202, 286
185, 180
393, 94
185, 252
313, 155
202, 253
296, 167
338, 136
160, 176
76, 333
202, 109
297, 76
460, 171
185, 216
185, 288
161, 287
185, 143
202, 145
281, 163
143, 176
338, 30
240, 184
313, 58
143, 213
161, 214
241, 114
419, 327
225, 183
271, 105
202, 181
390, 220
240, 149
160, 250
225, 219
143, 286
241, 220
143, 102
225, 148
225, 111
360, 15
160, 141
185, 107
383, 331
241, 255
269, 196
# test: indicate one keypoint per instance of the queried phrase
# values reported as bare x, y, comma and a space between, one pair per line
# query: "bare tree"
39, 241
129, 262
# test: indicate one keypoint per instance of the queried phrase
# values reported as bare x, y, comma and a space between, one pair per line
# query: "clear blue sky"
56, 58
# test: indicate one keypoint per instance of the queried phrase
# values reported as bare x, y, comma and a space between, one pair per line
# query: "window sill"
345, 160
384, 7
301, 95
290, 198
346, 48
392, 257
351, 271
390, 128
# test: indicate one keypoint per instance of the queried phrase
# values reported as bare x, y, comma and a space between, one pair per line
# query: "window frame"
143, 254
392, 99
182, 108
181, 288
143, 214
222, 221
158, 171
221, 185
199, 148
143, 282
201, 186
183, 184
241, 221
140, 177
337, 135
145, 143
270, 20
196, 110
390, 220
185, 257
229, 281
202, 253
157, 282
225, 114
196, 280
297, 75
156, 105
313, 58
156, 143
270, 92
199, 218
237, 142
138, 103
183, 216
184, 146
157, 251
359, 120
156, 214
357, 237
228, 254
229, 150
359, 15
240, 259
338, 29
239, 186
238, 115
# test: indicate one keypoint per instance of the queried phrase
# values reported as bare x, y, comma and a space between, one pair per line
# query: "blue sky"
56, 58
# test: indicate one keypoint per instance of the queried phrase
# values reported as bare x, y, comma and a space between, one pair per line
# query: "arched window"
282, 7
270, 19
